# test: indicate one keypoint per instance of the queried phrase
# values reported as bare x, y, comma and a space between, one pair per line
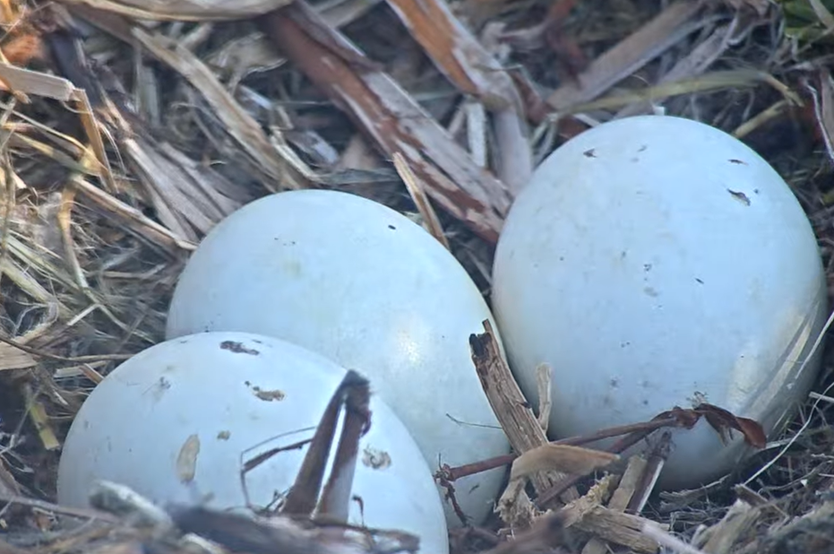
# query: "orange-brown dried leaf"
722, 420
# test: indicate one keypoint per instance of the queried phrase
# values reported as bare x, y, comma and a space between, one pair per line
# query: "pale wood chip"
14, 358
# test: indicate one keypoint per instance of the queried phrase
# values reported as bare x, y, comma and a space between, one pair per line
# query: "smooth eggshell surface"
656, 261
205, 403
366, 287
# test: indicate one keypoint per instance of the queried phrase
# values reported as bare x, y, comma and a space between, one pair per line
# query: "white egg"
363, 285
176, 422
656, 261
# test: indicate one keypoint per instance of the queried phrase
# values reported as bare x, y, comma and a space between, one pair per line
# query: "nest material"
126, 139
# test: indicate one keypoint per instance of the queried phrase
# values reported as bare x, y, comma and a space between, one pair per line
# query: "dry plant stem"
651, 473
420, 199
183, 10
278, 534
618, 528
620, 499
695, 63
133, 218
242, 126
461, 57
393, 119
459, 472
774, 111
652, 531
55, 508
12, 358
109, 22
823, 103
738, 520
547, 533
336, 495
796, 532
37, 414
92, 129
278, 174
77, 359
304, 493
651, 40
510, 407
9, 200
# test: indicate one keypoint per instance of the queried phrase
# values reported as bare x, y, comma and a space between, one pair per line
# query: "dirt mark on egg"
375, 459
740, 196
267, 395
237, 348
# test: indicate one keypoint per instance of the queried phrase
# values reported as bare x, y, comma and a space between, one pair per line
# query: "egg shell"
656, 261
207, 402
363, 285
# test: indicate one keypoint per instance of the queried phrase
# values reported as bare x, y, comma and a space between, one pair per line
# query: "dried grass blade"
693, 64
243, 127
714, 81
620, 498
104, 20
394, 120
163, 177
133, 218
184, 10
420, 200
632, 53
65, 223
35, 83
224, 196
823, 14
22, 141
823, 102
14, 358
461, 57
29, 285
37, 413
338, 13
92, 129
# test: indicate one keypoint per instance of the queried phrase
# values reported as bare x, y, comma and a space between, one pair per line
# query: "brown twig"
511, 408
391, 118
